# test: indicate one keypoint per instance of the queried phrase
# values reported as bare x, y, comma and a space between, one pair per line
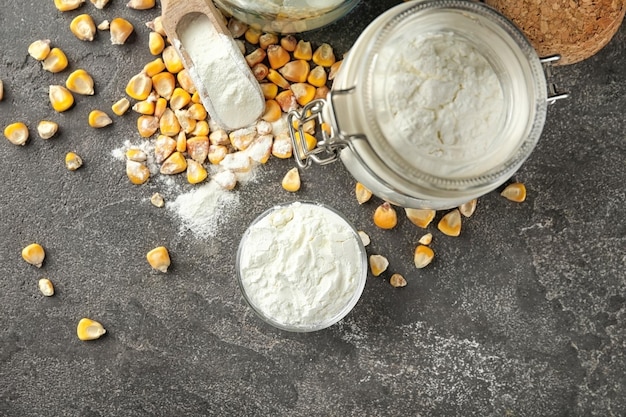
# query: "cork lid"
575, 29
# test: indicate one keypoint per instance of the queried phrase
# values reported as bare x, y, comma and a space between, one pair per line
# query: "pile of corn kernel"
185, 140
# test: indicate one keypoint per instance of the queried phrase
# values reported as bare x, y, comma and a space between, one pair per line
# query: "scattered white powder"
446, 102
204, 208
301, 264
219, 71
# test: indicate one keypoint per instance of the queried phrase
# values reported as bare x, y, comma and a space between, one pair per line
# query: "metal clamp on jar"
437, 103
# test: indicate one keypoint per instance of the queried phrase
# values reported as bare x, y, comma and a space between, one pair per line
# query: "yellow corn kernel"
156, 25
156, 43
195, 98
385, 216
261, 149
174, 164
159, 107
252, 35
196, 173
291, 180
1, 90
270, 90
296, 71
99, 4
397, 281
88, 329
303, 51
80, 82
198, 148
426, 239
277, 56
61, 98
219, 137
172, 60
272, 111
332, 73
34, 254
141, 4
83, 27
164, 146
179, 99
255, 57
197, 112
120, 29
139, 86
420, 217
365, 239
242, 138
282, 147
121, 106
147, 125
317, 77
423, 256
275, 77
137, 172
73, 161
286, 100
56, 61
515, 192
237, 162
157, 200
164, 84
45, 287
47, 129
136, 154
144, 107
181, 142
260, 71
289, 42
268, 39
321, 92
201, 129
217, 153
450, 224
467, 209
363, 195
378, 264
16, 133
168, 123
303, 92
324, 55
67, 5
309, 140
185, 81
39, 49
99, 119
154, 67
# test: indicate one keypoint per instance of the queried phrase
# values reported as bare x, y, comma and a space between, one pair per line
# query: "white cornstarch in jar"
301, 264
445, 104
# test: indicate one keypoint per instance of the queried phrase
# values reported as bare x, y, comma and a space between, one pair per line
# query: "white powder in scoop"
233, 98
301, 264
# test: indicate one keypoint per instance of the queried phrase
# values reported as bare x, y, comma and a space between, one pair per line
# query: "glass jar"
437, 103
287, 16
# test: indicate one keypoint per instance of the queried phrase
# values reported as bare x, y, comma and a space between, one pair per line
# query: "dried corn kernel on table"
522, 314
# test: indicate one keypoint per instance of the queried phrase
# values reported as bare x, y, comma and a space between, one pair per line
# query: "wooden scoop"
227, 88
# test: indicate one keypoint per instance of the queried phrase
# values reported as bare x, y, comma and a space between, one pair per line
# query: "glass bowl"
287, 16
301, 266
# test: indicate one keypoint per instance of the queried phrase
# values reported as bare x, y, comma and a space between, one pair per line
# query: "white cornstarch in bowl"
301, 266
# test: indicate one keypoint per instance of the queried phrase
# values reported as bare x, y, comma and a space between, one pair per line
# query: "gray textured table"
522, 315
